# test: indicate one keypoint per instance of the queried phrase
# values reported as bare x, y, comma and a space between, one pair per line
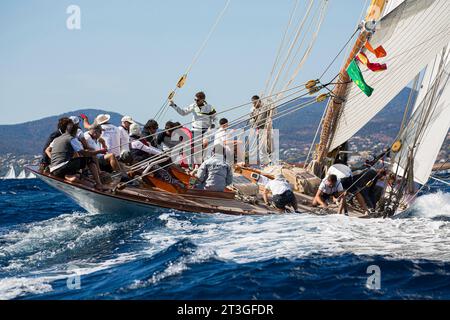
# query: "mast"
340, 89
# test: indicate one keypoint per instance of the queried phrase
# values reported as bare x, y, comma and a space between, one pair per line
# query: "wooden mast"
340, 90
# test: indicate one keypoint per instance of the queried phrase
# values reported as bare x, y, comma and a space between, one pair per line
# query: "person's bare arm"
318, 199
102, 142
48, 152
92, 153
84, 143
265, 193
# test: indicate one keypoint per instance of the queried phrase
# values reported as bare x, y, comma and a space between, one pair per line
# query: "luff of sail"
412, 34
430, 120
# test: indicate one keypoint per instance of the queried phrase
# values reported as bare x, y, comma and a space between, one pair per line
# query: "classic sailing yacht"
407, 37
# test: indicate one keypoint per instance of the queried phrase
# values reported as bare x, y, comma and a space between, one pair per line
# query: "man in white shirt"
111, 134
106, 162
203, 118
124, 130
330, 188
282, 194
68, 157
140, 148
223, 138
203, 114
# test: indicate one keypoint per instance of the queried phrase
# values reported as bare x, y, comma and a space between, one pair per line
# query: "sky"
128, 55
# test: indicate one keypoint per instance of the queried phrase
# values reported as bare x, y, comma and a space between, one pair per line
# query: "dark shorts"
282, 200
104, 165
348, 184
72, 167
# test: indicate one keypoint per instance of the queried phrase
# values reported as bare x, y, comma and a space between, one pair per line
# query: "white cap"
135, 129
127, 119
102, 118
74, 119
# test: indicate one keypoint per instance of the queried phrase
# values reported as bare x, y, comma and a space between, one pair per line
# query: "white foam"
40, 282
246, 239
432, 205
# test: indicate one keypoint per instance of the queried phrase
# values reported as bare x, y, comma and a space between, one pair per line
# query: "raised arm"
181, 111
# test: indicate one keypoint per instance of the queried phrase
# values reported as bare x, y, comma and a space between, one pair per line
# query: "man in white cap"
80, 133
282, 194
124, 130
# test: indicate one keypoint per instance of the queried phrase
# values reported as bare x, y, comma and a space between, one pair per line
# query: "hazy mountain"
28, 138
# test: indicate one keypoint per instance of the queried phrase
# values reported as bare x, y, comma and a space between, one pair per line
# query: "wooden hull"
132, 200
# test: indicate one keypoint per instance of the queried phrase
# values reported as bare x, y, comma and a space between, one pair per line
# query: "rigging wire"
239, 120
301, 106
301, 88
194, 60
293, 42
280, 47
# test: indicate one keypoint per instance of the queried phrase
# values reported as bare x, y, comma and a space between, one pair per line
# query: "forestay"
412, 34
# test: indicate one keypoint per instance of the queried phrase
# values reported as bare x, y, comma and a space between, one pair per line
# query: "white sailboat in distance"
11, 173
22, 175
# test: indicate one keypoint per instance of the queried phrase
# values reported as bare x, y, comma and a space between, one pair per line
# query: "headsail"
430, 121
412, 34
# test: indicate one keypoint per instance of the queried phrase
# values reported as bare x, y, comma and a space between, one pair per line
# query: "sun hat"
127, 119
102, 118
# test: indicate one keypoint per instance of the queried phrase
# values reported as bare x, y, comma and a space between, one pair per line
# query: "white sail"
22, 175
11, 173
391, 5
412, 34
430, 121
31, 175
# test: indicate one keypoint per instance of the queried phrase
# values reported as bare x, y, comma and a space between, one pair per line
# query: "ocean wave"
432, 205
246, 239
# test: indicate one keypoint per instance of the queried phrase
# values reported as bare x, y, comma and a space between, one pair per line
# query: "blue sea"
52, 249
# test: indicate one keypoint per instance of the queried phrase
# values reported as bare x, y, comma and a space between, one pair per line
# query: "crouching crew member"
282, 194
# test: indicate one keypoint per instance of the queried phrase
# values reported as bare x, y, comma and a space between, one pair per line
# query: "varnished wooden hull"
133, 200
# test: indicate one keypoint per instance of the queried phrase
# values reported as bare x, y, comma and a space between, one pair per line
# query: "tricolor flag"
355, 74
375, 67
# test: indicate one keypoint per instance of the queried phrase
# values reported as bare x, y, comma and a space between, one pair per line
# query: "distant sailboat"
11, 173
22, 175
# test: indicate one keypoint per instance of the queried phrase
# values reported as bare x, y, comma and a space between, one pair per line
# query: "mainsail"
412, 34
429, 122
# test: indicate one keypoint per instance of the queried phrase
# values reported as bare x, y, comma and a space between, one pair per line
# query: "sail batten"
412, 34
